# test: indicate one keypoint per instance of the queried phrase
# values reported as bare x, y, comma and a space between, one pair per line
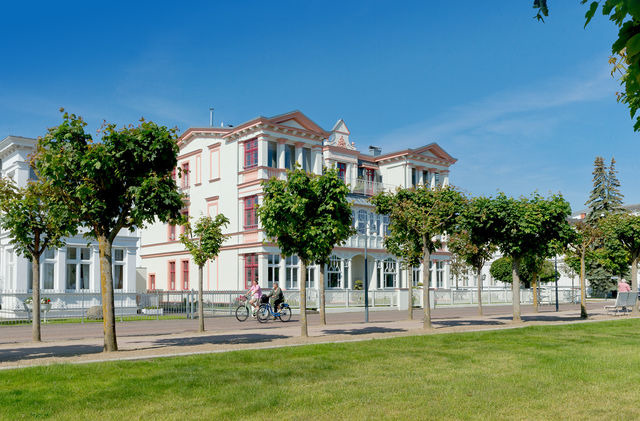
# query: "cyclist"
256, 294
277, 297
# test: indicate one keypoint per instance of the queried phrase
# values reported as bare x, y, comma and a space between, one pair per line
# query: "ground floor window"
250, 269
311, 276
118, 268
78, 268
172, 275
291, 272
185, 274
389, 273
273, 269
152, 282
415, 276
334, 273
437, 278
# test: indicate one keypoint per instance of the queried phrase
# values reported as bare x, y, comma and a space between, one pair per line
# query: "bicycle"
242, 310
266, 311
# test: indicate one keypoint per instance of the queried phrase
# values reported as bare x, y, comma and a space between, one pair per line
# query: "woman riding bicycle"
256, 293
277, 297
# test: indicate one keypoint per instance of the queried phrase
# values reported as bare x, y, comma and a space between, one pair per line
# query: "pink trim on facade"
189, 154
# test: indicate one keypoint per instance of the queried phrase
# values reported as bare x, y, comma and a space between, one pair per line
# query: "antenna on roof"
210, 116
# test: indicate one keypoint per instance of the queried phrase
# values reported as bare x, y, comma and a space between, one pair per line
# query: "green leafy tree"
578, 250
472, 239
121, 182
624, 229
204, 242
526, 227
502, 270
35, 220
418, 216
625, 14
306, 215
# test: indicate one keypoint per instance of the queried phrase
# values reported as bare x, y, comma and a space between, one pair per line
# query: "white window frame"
292, 269
273, 269
121, 263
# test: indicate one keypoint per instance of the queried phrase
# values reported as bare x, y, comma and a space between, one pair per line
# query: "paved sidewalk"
78, 343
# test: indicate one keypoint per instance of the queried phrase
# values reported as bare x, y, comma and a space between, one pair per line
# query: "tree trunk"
583, 295
479, 283
534, 281
323, 317
426, 321
106, 286
303, 299
634, 283
200, 300
35, 288
515, 286
410, 286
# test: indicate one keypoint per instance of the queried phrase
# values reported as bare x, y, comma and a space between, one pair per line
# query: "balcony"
367, 188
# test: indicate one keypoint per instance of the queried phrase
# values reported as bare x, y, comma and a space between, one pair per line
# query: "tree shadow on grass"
361, 331
44, 351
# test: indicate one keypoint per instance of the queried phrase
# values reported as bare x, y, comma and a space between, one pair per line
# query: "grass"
583, 371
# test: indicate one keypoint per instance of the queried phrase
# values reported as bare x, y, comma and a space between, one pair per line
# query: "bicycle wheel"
263, 313
242, 312
285, 314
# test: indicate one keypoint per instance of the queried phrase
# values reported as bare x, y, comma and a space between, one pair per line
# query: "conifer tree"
596, 202
614, 197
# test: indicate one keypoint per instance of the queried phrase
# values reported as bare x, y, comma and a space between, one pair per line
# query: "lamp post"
556, 275
363, 227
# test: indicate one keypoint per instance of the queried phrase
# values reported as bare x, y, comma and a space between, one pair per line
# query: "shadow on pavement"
47, 351
250, 338
454, 323
361, 331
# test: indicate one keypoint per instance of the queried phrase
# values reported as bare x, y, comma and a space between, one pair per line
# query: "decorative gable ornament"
340, 137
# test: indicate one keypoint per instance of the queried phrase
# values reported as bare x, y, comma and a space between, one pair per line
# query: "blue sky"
524, 106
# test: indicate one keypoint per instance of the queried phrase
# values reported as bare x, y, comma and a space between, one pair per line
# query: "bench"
624, 303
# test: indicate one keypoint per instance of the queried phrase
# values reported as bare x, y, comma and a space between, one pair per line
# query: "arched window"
334, 273
389, 273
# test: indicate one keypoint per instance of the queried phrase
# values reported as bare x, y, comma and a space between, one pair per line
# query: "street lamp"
556, 275
363, 228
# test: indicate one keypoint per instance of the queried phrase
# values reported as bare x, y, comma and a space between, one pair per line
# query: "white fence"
183, 304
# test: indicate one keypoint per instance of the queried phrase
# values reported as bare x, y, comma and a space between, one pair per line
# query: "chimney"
210, 116
375, 150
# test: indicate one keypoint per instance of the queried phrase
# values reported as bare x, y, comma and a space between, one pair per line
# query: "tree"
204, 242
306, 215
35, 220
624, 229
472, 241
581, 244
121, 182
525, 227
418, 216
502, 270
597, 203
625, 14
614, 196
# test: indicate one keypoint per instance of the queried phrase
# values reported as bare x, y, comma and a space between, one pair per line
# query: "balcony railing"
366, 187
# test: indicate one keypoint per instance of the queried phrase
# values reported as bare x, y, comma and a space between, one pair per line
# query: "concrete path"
80, 343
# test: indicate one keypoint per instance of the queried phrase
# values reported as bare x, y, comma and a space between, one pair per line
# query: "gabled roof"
433, 148
299, 118
341, 127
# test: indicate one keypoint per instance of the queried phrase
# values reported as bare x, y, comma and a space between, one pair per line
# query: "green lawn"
586, 371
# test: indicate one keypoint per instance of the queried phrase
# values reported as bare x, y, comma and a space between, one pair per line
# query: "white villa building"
72, 269
223, 170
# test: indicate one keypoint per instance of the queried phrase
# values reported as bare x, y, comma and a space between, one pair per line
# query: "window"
311, 276
250, 269
291, 272
250, 216
389, 273
273, 269
306, 159
48, 268
414, 177
437, 178
415, 275
152, 282
185, 175
172, 232
78, 274
185, 213
289, 156
250, 153
334, 273
362, 222
342, 170
172, 275
385, 225
118, 268
374, 224
438, 282
272, 155
185, 274
425, 177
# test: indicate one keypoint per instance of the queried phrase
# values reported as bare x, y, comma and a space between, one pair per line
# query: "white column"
129, 283
280, 154
263, 146
298, 154
282, 276
445, 178
316, 158
23, 283
94, 283
349, 284
59, 279
432, 178
262, 271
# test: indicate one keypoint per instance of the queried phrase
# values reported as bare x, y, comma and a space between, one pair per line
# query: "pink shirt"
623, 287
256, 291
